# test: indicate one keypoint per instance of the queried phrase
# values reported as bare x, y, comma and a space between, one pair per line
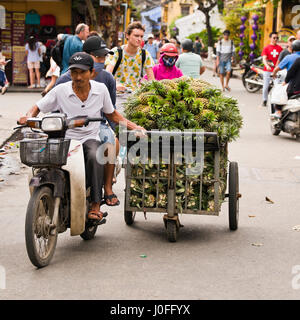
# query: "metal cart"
170, 179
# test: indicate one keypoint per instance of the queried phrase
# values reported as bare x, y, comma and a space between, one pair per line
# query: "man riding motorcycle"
83, 97
287, 63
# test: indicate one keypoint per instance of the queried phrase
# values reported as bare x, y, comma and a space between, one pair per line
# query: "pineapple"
145, 96
159, 89
198, 90
169, 83
204, 102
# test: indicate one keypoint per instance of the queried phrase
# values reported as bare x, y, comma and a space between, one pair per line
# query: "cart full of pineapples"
192, 109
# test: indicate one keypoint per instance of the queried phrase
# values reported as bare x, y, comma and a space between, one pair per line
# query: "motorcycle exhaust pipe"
254, 82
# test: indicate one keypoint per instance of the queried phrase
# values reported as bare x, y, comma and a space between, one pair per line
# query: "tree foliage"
216, 32
232, 19
206, 6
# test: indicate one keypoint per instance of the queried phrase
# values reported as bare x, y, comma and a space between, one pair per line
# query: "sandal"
228, 89
96, 215
110, 197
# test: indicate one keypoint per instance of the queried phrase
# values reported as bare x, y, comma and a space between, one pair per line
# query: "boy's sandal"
110, 197
96, 215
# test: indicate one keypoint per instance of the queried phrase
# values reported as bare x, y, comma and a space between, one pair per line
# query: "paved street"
207, 262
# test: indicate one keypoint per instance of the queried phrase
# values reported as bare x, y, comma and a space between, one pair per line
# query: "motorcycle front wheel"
40, 244
251, 87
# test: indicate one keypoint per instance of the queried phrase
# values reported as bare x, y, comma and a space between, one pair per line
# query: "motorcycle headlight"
52, 124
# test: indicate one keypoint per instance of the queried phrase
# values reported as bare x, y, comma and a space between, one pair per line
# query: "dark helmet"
187, 45
296, 45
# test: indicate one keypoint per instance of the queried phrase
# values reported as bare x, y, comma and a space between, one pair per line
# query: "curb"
23, 89
10, 137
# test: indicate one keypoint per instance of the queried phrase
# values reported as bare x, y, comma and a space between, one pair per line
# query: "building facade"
43, 19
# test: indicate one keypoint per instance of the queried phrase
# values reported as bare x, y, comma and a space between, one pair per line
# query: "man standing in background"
225, 56
152, 48
74, 44
270, 56
198, 45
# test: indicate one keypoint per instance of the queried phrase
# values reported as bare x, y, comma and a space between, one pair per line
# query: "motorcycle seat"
296, 96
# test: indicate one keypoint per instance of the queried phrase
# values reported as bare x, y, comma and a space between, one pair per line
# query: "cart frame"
211, 143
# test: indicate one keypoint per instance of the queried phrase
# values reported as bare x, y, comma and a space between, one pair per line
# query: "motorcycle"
58, 196
289, 121
252, 75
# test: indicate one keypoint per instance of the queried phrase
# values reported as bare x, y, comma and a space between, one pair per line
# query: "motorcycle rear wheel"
274, 131
252, 88
40, 244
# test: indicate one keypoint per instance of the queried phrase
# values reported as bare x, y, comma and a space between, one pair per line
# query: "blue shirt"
102, 76
72, 45
152, 49
288, 61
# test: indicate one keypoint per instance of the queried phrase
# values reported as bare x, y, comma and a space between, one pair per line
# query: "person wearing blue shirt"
74, 44
289, 60
152, 48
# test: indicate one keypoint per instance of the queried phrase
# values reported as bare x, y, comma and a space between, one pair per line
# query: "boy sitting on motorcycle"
84, 97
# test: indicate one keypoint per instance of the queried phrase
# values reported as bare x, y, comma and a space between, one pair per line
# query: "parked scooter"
289, 121
59, 199
253, 75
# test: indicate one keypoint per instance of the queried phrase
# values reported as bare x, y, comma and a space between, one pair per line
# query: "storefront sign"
6, 36
2, 17
19, 65
18, 28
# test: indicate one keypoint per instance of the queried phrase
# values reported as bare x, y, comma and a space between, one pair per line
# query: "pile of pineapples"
182, 103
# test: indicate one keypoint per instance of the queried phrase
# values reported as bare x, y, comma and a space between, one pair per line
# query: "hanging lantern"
255, 18
242, 36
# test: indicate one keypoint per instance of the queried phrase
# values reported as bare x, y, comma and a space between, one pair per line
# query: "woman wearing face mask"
166, 68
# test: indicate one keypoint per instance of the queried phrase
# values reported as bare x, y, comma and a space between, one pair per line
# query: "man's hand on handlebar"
22, 120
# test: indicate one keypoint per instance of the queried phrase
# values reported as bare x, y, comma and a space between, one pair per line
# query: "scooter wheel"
40, 243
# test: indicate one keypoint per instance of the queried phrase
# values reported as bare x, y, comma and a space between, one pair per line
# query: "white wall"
196, 23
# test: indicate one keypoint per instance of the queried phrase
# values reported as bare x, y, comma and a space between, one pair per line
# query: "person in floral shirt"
129, 73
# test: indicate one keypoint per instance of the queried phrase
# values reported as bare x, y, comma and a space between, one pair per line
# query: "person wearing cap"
98, 50
286, 51
166, 68
152, 48
188, 62
84, 97
225, 56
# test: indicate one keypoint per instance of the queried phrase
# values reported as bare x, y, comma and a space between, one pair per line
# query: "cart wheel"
129, 217
233, 196
172, 230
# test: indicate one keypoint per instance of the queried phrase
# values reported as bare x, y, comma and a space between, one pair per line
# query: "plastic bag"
279, 94
106, 134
